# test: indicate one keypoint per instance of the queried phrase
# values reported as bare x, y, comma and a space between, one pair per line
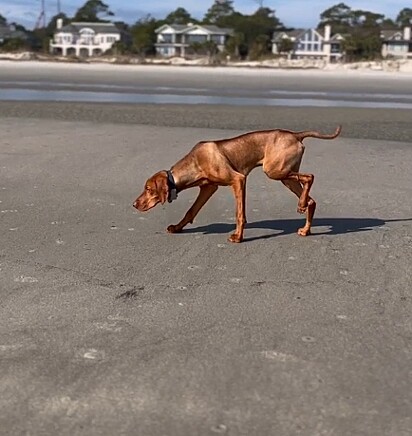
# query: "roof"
335, 37
390, 34
291, 34
8, 32
183, 28
215, 29
96, 27
297, 33
176, 27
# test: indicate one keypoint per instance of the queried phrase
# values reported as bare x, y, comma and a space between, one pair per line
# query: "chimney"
407, 33
327, 32
59, 23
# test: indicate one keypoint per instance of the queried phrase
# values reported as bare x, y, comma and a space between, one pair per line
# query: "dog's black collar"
172, 187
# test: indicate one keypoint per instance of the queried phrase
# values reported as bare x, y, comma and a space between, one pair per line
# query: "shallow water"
190, 96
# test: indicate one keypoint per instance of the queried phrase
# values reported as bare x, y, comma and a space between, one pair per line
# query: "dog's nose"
135, 204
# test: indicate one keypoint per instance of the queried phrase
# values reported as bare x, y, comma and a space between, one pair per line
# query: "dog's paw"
235, 238
303, 231
174, 229
302, 209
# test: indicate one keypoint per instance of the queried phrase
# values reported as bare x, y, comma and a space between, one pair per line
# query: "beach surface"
370, 105
109, 325
166, 79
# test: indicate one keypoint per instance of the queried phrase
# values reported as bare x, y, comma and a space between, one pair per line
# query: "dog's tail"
300, 136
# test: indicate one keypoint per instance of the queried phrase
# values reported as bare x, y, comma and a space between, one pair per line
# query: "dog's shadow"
335, 226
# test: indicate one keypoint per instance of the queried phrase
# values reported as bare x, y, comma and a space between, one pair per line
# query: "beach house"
83, 39
177, 39
9, 31
397, 43
308, 44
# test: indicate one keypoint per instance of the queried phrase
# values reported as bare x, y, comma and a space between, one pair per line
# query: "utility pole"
41, 21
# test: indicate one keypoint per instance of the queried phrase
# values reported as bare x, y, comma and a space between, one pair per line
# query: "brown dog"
228, 162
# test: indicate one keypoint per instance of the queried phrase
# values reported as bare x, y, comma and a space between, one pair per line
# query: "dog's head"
156, 190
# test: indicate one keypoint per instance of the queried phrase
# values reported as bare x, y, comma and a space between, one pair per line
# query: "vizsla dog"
228, 162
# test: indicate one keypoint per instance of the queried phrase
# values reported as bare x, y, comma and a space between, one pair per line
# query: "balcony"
78, 42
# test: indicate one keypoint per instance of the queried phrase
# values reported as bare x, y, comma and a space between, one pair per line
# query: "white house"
310, 44
83, 39
176, 39
397, 43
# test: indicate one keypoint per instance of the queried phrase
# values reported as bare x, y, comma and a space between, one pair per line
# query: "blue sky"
293, 13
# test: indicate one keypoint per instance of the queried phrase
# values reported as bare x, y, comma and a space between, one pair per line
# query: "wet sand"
381, 124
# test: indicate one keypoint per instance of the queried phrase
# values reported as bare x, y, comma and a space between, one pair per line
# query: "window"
218, 39
86, 36
166, 38
334, 48
63, 39
397, 48
190, 39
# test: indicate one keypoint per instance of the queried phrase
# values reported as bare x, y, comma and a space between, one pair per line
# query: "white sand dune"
402, 69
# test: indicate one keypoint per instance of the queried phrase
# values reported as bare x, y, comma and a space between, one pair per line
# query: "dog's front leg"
239, 190
205, 193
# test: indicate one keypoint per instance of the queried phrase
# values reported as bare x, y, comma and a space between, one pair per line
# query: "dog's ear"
162, 187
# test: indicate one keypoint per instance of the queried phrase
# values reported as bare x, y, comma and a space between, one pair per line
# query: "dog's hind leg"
297, 189
305, 181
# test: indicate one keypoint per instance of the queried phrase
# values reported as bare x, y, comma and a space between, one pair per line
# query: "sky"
292, 13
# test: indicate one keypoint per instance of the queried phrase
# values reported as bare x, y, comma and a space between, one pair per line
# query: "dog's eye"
147, 188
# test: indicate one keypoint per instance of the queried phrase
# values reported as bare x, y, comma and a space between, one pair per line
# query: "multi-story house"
397, 43
9, 31
177, 39
309, 44
83, 39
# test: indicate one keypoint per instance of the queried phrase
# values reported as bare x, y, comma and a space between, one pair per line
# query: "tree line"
252, 33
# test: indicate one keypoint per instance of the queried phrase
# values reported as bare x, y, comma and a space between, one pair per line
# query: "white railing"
79, 41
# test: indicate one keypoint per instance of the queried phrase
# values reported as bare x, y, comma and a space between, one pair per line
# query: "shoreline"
363, 69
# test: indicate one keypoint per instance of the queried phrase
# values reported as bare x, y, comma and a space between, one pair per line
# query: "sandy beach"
227, 81
109, 325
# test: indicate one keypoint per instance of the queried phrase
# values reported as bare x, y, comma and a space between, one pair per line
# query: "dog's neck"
172, 187
185, 174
